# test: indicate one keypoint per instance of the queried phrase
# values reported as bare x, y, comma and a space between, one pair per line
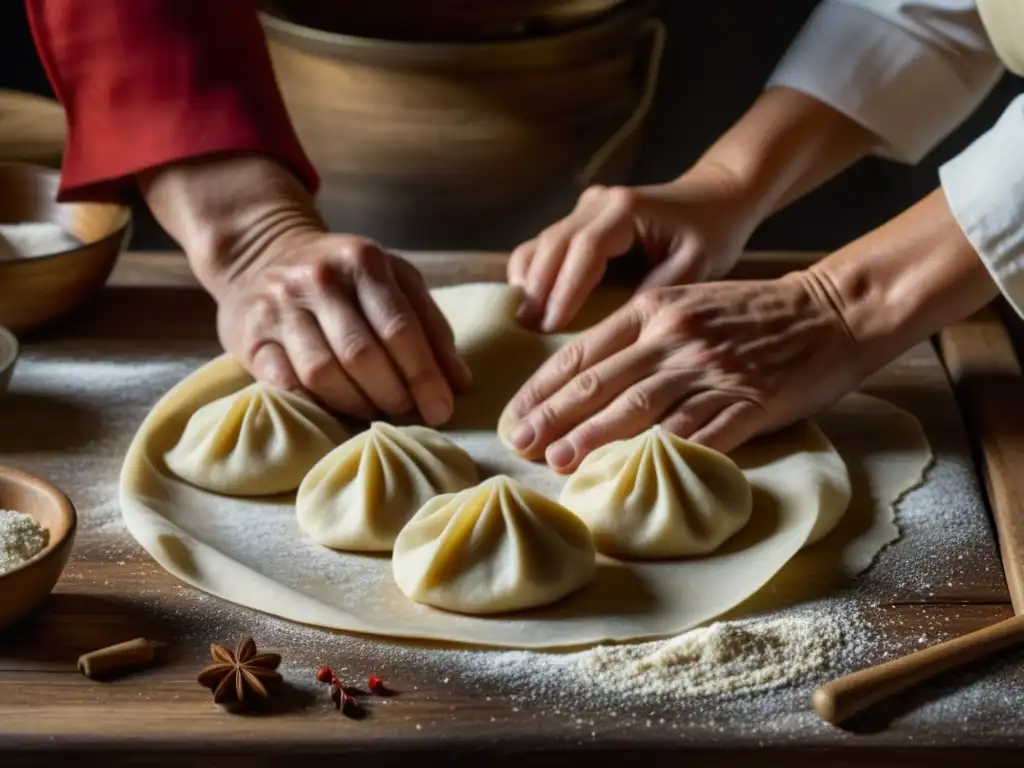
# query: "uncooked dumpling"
497, 547
659, 496
360, 495
258, 441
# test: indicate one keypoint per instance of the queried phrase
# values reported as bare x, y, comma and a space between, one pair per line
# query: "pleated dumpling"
659, 496
493, 548
360, 495
256, 442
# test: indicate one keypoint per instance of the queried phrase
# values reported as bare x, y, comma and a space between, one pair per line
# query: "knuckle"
360, 255
395, 326
544, 418
638, 400
648, 303
315, 372
587, 385
622, 200
569, 360
592, 193
551, 239
354, 348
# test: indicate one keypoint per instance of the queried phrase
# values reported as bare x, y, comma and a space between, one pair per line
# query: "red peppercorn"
324, 674
377, 685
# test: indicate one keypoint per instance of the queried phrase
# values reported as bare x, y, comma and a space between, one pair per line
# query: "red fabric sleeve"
148, 82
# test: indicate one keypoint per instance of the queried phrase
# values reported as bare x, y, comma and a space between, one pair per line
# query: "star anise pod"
242, 675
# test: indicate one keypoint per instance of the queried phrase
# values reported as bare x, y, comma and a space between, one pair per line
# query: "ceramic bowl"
37, 291
26, 586
8, 358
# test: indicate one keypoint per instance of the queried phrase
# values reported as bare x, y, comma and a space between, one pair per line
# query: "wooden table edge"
981, 361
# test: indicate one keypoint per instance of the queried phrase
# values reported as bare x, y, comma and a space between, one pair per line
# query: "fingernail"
437, 411
550, 323
561, 453
523, 436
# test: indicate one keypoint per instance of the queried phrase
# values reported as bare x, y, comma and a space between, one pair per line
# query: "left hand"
716, 363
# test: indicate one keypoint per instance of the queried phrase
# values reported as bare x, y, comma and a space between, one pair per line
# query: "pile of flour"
31, 239
21, 539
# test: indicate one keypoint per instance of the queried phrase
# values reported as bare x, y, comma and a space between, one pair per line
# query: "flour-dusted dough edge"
146, 490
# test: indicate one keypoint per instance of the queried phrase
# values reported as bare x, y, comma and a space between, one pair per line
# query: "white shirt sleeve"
984, 186
910, 71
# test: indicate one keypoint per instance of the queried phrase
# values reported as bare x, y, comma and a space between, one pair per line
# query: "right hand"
692, 229
345, 321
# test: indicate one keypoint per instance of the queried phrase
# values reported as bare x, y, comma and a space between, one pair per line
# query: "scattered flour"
34, 238
725, 657
21, 539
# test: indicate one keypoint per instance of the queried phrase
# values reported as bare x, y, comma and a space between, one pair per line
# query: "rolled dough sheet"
251, 552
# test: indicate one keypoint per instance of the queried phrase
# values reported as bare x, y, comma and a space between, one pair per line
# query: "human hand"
716, 363
345, 321
692, 229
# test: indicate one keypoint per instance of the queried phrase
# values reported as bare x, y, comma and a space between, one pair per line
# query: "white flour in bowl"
31, 239
21, 539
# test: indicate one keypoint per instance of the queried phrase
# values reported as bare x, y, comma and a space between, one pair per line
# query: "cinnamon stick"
118, 658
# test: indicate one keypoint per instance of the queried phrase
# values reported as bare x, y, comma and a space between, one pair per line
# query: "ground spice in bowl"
21, 539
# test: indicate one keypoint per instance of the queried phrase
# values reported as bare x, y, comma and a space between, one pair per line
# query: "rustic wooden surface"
982, 364
51, 714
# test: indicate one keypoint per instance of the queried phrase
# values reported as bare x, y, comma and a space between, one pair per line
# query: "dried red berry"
324, 674
377, 685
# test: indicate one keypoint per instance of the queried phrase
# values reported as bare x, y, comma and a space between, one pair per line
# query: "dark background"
719, 55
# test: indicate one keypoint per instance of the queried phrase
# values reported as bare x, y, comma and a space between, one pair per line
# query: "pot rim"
578, 44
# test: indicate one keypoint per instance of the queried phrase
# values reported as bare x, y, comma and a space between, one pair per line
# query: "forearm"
786, 145
225, 211
904, 281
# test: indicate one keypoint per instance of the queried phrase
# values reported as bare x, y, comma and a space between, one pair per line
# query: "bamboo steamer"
444, 20
466, 145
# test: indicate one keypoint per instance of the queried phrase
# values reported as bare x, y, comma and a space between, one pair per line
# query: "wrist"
904, 281
229, 213
786, 145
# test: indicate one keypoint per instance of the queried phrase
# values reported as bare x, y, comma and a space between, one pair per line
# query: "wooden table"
112, 591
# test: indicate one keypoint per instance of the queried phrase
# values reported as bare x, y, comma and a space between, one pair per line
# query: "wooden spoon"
840, 700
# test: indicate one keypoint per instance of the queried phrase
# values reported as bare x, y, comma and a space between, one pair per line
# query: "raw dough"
495, 548
255, 442
251, 552
360, 495
658, 495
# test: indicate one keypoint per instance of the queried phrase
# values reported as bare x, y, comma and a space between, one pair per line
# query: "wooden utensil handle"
840, 700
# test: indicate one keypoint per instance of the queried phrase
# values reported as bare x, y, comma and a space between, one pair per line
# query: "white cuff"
984, 185
909, 79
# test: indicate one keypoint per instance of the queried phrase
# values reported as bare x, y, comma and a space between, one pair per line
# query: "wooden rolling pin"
838, 701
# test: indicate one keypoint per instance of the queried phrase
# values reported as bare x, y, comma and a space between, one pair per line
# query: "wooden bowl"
37, 291
443, 20
24, 587
8, 359
32, 129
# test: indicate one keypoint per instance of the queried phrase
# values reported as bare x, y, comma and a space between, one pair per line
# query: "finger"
684, 267
608, 234
435, 325
732, 427
613, 334
269, 363
696, 411
392, 318
519, 263
550, 252
635, 410
363, 360
317, 368
582, 397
